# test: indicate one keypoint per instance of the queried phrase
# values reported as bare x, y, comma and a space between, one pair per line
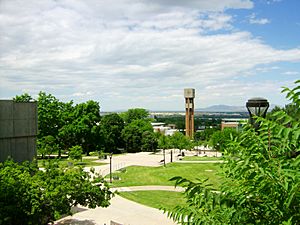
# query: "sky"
140, 53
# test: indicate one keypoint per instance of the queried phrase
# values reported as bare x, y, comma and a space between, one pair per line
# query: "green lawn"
199, 158
156, 199
64, 162
142, 175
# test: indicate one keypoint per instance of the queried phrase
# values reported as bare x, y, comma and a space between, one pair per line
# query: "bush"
31, 196
75, 152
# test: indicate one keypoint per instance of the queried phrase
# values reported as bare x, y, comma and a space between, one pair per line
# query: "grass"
142, 175
156, 199
64, 162
199, 158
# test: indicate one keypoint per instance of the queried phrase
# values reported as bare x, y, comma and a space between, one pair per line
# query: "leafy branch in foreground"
262, 179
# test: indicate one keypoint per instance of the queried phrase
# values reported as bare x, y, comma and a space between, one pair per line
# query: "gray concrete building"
18, 130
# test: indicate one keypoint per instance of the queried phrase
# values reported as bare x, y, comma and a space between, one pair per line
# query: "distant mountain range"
213, 108
226, 108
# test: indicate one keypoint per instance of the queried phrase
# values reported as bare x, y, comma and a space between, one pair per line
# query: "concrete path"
121, 211
213, 161
148, 188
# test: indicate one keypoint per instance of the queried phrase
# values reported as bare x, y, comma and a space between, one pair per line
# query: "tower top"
189, 93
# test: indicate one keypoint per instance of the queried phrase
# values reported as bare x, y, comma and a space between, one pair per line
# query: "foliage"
149, 141
86, 125
32, 196
135, 114
205, 135
23, 98
164, 142
132, 134
111, 129
75, 152
86, 162
49, 119
180, 141
47, 145
262, 184
219, 140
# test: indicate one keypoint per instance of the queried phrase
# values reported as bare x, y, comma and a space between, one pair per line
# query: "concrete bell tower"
189, 95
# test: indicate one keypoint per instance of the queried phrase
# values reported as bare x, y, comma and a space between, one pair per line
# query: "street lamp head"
257, 107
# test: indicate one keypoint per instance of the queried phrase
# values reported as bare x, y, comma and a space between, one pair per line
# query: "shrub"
75, 152
32, 196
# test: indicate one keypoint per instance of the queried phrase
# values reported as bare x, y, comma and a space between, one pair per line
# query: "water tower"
189, 95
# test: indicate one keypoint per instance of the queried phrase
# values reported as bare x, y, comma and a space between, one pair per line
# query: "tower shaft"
189, 95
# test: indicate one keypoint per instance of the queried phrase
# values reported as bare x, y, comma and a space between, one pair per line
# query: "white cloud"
291, 73
261, 21
131, 53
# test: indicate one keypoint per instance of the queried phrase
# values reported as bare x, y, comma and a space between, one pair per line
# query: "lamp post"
110, 167
257, 107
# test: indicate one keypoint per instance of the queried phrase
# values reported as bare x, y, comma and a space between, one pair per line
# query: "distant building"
167, 130
18, 130
233, 123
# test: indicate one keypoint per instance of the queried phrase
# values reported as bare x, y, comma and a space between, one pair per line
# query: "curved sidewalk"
148, 188
122, 211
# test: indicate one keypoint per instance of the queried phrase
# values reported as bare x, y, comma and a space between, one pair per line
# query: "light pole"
164, 157
257, 107
110, 167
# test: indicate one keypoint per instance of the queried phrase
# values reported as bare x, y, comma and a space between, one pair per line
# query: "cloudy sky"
141, 53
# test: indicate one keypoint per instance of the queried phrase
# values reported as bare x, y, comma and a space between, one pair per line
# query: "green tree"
180, 141
134, 114
164, 142
149, 141
48, 115
53, 116
86, 125
205, 134
221, 139
262, 179
132, 134
31, 196
75, 152
23, 98
111, 130
47, 145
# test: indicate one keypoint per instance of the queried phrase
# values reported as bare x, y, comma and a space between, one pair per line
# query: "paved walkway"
148, 188
122, 211
212, 161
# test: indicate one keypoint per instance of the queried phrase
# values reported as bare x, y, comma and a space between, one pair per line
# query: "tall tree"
86, 125
180, 141
134, 114
132, 134
48, 115
149, 141
111, 130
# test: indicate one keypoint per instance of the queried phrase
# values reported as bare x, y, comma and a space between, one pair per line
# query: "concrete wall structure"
189, 95
18, 130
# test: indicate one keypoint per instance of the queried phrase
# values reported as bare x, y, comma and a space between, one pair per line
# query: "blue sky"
138, 53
